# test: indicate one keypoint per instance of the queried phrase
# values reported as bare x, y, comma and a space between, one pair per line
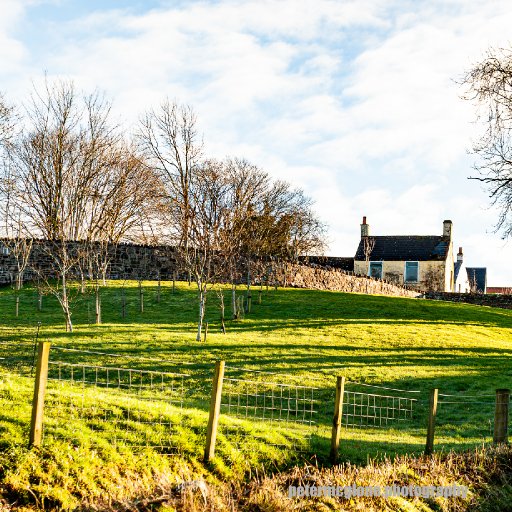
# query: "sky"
357, 102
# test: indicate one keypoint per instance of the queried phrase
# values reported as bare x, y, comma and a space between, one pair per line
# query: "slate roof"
406, 248
479, 276
456, 269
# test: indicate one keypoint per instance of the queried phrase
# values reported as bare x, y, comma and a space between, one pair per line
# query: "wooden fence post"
501, 416
213, 420
36, 424
432, 411
336, 421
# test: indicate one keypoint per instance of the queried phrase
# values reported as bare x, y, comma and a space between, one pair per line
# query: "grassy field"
301, 337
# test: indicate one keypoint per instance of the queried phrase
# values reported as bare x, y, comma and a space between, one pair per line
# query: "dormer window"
411, 272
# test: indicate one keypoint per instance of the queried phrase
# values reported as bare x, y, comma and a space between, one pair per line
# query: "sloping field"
127, 403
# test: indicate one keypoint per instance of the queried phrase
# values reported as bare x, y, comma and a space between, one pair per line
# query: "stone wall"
495, 301
313, 277
129, 261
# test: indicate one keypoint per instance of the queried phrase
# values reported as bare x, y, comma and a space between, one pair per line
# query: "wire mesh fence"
464, 420
260, 400
367, 406
139, 406
382, 419
119, 406
15, 408
18, 356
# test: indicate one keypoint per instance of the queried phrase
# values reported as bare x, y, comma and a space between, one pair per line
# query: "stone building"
418, 262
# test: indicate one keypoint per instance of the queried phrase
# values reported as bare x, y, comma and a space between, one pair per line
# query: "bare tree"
247, 187
202, 256
368, 246
8, 119
75, 180
489, 85
168, 141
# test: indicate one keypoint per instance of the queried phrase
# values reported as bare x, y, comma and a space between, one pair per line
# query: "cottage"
419, 262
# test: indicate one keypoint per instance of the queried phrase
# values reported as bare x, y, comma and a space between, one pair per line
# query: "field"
403, 347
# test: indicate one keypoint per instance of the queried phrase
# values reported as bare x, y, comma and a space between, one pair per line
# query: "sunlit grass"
302, 337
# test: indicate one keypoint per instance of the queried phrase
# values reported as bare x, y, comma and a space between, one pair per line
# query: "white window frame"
417, 275
381, 263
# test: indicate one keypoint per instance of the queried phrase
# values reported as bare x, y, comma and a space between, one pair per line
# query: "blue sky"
355, 101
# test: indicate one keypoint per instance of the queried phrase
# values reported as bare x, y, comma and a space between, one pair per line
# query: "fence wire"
15, 408
292, 410
121, 406
373, 410
464, 420
18, 356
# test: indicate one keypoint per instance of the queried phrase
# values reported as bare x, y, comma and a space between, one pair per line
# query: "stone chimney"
447, 229
365, 228
460, 255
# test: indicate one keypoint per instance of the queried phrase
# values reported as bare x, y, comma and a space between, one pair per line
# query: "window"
375, 269
5, 250
411, 271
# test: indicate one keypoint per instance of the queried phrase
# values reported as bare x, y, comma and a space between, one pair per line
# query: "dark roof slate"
456, 269
478, 276
406, 248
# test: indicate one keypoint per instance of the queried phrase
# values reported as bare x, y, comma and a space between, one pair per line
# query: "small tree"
368, 246
204, 257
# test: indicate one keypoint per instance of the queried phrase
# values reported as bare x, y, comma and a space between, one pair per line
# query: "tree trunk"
202, 301
98, 305
249, 294
65, 305
233, 301
222, 313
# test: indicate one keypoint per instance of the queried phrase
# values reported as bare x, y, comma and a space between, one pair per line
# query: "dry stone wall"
494, 301
317, 278
129, 261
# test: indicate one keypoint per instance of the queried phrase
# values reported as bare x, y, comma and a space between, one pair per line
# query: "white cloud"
12, 51
354, 100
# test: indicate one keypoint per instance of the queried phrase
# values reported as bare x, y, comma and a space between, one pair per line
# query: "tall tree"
169, 142
489, 85
74, 180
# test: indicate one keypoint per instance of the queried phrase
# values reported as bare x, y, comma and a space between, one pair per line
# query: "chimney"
460, 255
447, 229
365, 228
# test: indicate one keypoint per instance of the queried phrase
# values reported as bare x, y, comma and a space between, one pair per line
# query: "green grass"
306, 337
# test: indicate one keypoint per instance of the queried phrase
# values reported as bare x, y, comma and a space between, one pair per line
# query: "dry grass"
486, 472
